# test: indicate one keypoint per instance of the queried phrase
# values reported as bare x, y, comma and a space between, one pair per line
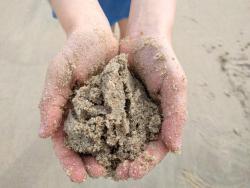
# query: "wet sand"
210, 39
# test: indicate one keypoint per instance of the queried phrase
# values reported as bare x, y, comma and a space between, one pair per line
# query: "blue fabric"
54, 14
115, 10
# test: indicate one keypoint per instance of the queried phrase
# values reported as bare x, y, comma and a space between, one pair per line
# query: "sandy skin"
82, 33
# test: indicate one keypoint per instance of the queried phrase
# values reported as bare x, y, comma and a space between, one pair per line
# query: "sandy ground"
216, 151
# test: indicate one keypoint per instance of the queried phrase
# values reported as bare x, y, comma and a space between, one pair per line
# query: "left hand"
154, 61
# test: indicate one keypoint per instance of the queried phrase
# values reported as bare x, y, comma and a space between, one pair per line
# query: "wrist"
148, 32
88, 28
79, 15
151, 18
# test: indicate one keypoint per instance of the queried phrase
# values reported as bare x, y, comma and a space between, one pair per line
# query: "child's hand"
154, 60
84, 53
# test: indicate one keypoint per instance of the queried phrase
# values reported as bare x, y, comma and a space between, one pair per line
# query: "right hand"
84, 53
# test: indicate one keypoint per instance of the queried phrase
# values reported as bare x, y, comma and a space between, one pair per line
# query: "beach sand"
211, 40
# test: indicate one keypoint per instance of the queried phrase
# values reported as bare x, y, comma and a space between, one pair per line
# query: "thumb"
173, 102
55, 95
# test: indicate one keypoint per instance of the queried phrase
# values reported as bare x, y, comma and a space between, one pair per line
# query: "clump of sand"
112, 118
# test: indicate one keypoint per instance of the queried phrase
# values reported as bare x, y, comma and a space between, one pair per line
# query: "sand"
216, 140
112, 118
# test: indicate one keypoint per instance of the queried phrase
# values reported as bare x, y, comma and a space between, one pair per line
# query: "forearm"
79, 14
150, 17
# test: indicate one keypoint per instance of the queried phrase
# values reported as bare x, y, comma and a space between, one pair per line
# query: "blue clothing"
115, 10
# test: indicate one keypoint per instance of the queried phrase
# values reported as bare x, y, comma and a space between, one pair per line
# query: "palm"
157, 66
81, 57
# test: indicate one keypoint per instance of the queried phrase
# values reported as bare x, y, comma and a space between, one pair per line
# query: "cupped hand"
84, 53
155, 63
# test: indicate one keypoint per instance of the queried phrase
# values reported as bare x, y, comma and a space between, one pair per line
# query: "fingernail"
177, 152
134, 172
42, 132
78, 176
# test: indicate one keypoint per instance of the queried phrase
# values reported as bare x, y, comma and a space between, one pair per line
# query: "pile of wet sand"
112, 117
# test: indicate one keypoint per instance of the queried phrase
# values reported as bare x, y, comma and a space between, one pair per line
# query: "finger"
122, 171
153, 154
56, 92
173, 95
94, 169
71, 161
